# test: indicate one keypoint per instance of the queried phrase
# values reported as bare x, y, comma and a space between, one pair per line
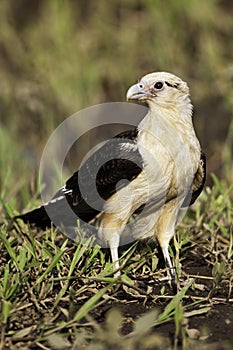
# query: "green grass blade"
50, 267
90, 304
171, 307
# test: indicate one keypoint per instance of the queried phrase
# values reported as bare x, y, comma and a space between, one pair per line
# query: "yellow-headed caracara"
150, 173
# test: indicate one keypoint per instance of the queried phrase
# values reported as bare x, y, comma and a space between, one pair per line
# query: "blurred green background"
57, 57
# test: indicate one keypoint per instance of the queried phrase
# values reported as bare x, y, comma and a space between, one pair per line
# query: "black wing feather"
198, 182
118, 159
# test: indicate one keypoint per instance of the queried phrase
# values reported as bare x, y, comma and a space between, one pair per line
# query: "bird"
137, 183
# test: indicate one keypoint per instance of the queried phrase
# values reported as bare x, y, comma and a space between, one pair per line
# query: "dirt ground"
208, 331
212, 330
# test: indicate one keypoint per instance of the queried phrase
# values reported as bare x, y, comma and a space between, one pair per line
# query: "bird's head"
161, 90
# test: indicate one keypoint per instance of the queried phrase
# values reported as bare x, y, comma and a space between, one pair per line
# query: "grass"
54, 294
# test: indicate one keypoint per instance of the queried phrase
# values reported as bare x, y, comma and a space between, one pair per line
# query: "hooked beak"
136, 92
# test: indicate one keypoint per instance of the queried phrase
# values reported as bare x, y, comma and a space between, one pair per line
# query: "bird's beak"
136, 92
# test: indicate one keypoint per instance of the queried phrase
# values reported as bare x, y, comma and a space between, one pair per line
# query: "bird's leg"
165, 230
171, 268
110, 232
114, 242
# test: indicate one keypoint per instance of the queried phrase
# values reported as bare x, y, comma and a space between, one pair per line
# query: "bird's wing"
103, 173
98, 179
198, 182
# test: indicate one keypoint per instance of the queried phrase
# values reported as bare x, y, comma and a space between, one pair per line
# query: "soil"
208, 331
212, 330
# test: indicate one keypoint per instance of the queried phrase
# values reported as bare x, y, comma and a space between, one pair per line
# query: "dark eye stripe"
168, 84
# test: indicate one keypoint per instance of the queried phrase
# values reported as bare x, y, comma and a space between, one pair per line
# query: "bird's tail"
37, 217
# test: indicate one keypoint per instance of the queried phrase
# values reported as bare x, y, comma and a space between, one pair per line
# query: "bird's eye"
158, 85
